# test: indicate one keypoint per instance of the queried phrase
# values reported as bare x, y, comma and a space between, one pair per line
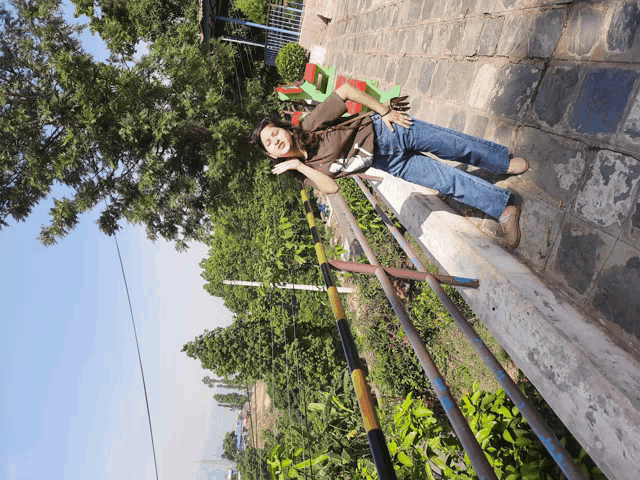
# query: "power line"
146, 399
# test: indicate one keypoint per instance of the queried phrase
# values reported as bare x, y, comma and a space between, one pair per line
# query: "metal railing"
283, 26
461, 427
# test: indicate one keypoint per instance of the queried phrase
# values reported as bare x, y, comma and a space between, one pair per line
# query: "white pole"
289, 286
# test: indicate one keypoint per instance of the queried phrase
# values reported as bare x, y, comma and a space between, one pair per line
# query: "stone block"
455, 39
609, 194
389, 41
390, 73
442, 114
602, 100
414, 74
415, 105
546, 33
413, 45
584, 30
515, 35
557, 164
458, 120
485, 6
381, 69
477, 125
540, 223
441, 33
370, 44
467, 7
501, 133
615, 295
623, 27
427, 110
400, 36
392, 19
515, 85
427, 8
370, 21
452, 8
461, 75
630, 132
437, 10
439, 79
483, 86
414, 11
361, 61
427, 37
579, 254
556, 93
381, 20
470, 38
631, 232
404, 66
369, 67
426, 73
491, 32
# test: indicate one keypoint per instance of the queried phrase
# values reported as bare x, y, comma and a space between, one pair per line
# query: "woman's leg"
430, 173
443, 142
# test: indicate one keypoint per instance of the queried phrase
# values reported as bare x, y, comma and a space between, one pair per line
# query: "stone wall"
557, 82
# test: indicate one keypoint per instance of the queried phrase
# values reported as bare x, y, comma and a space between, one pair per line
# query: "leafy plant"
290, 62
255, 10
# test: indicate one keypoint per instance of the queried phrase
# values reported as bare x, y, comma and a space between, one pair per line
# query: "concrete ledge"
591, 383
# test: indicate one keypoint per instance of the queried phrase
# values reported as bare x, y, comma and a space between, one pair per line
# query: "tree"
234, 401
252, 464
230, 446
122, 24
160, 144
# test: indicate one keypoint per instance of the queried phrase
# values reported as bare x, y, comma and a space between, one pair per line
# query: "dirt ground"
263, 416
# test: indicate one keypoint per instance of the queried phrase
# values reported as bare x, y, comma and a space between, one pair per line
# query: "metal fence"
380, 453
283, 26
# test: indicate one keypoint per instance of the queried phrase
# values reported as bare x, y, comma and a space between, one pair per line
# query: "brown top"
342, 150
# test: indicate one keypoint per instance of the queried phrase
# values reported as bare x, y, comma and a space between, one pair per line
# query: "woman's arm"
349, 92
322, 182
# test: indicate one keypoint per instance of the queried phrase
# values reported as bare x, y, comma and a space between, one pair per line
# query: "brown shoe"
517, 165
510, 223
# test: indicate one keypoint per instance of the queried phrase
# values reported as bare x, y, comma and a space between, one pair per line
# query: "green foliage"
332, 442
420, 444
252, 464
255, 10
123, 24
365, 214
290, 62
229, 446
233, 400
256, 241
163, 142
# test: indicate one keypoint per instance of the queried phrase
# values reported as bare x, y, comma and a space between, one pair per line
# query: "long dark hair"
301, 138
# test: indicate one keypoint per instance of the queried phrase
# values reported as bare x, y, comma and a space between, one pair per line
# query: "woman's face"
277, 141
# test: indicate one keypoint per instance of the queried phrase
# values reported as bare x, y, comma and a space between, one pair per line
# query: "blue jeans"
398, 153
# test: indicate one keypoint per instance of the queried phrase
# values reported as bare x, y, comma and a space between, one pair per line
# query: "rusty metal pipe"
540, 428
403, 273
459, 423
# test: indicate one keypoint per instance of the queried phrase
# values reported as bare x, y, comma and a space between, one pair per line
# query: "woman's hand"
400, 118
282, 167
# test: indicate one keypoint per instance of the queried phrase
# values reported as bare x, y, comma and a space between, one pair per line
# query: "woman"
322, 151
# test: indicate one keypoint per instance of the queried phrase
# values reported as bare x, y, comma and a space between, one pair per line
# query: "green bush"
290, 62
255, 10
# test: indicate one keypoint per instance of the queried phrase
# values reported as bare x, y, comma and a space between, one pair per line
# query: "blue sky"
72, 403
